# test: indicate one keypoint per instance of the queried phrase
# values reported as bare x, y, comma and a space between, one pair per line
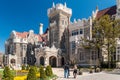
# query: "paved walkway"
86, 76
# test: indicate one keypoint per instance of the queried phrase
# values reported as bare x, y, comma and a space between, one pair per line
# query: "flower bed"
20, 78
25, 77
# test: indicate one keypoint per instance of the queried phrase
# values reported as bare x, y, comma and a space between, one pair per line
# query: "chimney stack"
41, 29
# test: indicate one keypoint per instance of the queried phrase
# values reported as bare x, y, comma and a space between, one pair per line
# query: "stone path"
86, 76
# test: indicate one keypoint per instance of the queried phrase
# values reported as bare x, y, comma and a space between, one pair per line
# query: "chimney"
41, 29
53, 5
65, 4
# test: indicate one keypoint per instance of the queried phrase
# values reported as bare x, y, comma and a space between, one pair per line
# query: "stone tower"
59, 18
118, 9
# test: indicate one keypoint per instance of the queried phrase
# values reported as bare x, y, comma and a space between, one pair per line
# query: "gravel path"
86, 76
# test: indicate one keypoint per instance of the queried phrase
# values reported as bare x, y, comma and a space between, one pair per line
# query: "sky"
24, 15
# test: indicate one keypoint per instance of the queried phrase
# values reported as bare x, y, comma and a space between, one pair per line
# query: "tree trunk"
109, 64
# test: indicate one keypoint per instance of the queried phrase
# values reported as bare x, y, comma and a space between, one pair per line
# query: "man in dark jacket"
66, 70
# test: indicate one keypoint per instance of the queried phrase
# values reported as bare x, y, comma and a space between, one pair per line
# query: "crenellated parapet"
80, 28
81, 22
59, 7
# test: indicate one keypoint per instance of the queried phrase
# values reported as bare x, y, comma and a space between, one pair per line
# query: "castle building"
16, 47
59, 19
78, 30
62, 41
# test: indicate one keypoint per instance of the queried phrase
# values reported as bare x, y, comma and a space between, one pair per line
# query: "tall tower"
118, 9
59, 18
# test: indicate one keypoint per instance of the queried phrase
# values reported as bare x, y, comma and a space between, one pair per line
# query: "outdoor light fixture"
32, 52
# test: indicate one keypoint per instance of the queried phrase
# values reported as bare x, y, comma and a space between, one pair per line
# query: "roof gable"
109, 11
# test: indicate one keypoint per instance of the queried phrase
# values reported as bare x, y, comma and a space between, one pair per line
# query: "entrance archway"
62, 61
52, 61
42, 61
12, 61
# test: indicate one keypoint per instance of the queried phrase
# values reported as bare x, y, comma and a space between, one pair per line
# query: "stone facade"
78, 30
28, 48
1, 59
62, 41
59, 19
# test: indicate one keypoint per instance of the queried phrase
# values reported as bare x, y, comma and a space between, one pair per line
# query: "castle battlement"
80, 22
59, 7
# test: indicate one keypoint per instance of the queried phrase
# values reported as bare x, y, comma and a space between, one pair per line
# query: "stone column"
57, 62
46, 61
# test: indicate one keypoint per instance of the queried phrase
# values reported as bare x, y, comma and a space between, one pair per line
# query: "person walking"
68, 64
66, 68
75, 71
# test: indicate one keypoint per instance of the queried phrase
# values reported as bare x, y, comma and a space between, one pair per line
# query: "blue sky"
23, 15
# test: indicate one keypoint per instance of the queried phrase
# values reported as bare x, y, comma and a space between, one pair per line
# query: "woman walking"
75, 71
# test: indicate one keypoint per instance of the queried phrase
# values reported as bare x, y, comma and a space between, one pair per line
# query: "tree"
7, 75
32, 74
42, 73
96, 42
48, 71
27, 67
105, 31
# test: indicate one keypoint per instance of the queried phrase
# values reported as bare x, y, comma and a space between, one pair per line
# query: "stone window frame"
81, 31
81, 56
73, 45
75, 32
118, 57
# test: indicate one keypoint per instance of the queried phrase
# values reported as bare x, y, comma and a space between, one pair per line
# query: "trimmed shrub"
48, 71
91, 71
42, 73
97, 69
27, 67
80, 72
23, 67
36, 70
7, 75
32, 74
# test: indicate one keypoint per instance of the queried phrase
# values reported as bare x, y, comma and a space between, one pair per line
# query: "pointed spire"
53, 5
97, 7
93, 12
65, 4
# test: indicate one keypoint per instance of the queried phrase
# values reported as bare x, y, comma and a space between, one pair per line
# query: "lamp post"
32, 52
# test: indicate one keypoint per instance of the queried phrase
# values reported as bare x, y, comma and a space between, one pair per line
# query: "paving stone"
86, 75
